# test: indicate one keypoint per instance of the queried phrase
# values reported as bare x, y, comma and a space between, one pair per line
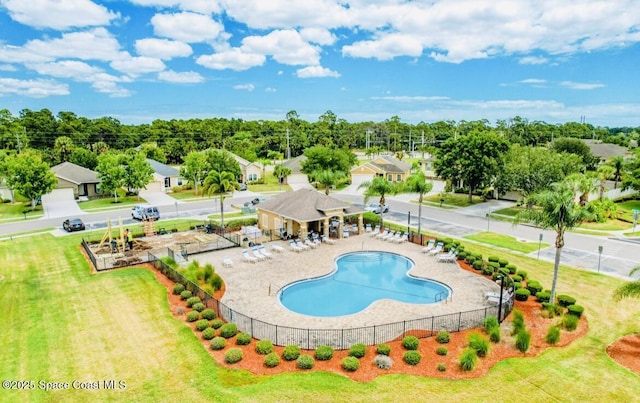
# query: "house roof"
605, 150
295, 164
306, 205
75, 173
387, 164
162, 169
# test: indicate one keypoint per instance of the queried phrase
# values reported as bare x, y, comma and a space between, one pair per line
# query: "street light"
600, 249
176, 203
488, 220
539, 244
408, 222
500, 302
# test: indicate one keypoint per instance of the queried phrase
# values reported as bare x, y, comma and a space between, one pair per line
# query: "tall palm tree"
379, 186
604, 172
220, 183
328, 178
617, 163
557, 210
417, 183
582, 185
630, 289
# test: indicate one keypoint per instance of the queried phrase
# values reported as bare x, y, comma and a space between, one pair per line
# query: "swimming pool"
360, 279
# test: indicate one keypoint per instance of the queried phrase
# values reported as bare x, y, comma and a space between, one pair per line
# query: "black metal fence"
339, 339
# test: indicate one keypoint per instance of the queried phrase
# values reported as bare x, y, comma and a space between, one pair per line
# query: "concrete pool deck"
251, 288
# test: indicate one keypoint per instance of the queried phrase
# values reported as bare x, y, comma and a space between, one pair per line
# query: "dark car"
254, 202
73, 224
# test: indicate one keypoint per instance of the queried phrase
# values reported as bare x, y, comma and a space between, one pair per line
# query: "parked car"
375, 208
143, 212
73, 224
243, 186
255, 202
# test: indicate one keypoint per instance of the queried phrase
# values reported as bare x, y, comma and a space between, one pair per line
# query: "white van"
144, 212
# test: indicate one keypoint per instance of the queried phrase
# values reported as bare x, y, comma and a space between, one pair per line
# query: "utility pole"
288, 148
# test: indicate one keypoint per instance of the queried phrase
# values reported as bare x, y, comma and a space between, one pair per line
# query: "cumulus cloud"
581, 86
245, 87
186, 77
39, 88
233, 59
533, 60
94, 44
60, 15
162, 48
316, 71
186, 27
137, 65
285, 46
270, 89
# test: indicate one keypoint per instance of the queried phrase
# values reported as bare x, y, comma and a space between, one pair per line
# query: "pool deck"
251, 288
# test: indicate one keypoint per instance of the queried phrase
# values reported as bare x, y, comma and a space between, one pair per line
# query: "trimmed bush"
543, 296
494, 265
522, 274
487, 270
207, 271
228, 330
193, 316
202, 324
243, 339
495, 334
412, 357
291, 352
216, 282
553, 335
305, 361
517, 285
199, 306
442, 367
271, 360
575, 310
468, 359
522, 294
570, 322
208, 333
442, 350
209, 314
512, 268
383, 361
478, 265
264, 347
177, 289
410, 342
489, 323
479, 343
565, 300
350, 363
358, 350
552, 309
323, 353
503, 262
534, 287
193, 300
443, 337
217, 323
383, 349
522, 341
516, 278
233, 355
493, 259
218, 343
461, 255
185, 295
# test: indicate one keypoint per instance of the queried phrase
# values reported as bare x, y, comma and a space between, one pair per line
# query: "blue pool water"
360, 279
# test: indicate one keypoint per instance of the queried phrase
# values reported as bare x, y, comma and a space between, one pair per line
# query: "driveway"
60, 203
157, 198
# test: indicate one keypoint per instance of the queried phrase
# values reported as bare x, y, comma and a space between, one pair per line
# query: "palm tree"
379, 186
417, 183
557, 210
604, 172
630, 289
220, 183
617, 163
281, 171
581, 185
328, 178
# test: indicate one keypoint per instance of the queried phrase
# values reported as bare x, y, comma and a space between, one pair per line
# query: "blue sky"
141, 60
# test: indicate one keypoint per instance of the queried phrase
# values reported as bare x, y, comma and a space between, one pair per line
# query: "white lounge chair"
310, 244
277, 248
265, 252
259, 252
394, 238
382, 234
403, 238
390, 235
328, 240
299, 244
447, 257
256, 253
376, 231
247, 257
430, 246
437, 249
367, 228
294, 247
227, 262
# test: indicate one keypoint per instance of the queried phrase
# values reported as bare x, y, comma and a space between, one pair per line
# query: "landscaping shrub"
358, 350
233, 355
512, 268
291, 352
518, 322
412, 357
494, 266
570, 322
565, 300
305, 361
243, 339
478, 265
470, 259
522, 274
517, 285
193, 300
177, 289
202, 324
552, 309
217, 323
350, 363
410, 342
576, 310
218, 343
216, 282
516, 278
479, 343
443, 337
495, 334
193, 316
493, 259
207, 271
442, 350
383, 349
199, 306
461, 255
553, 335
543, 296
228, 330
489, 323
442, 367
534, 287
468, 359
478, 256
208, 333
323, 353
264, 347
487, 271
505, 273
186, 294
522, 340
522, 294
209, 314
503, 262
271, 360
383, 361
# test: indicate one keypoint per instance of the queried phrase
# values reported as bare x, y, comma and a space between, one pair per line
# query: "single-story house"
83, 181
164, 177
305, 210
384, 166
606, 151
297, 177
249, 171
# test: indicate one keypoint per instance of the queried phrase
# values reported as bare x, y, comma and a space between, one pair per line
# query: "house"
305, 210
606, 151
384, 166
165, 177
249, 171
84, 182
297, 179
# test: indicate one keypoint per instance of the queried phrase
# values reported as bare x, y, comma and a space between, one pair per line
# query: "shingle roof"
75, 173
305, 205
392, 164
162, 169
605, 150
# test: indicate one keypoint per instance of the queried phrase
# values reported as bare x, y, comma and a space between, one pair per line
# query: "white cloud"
8, 67
66, 69
245, 87
385, 47
316, 71
162, 48
199, 6
285, 46
94, 44
581, 86
533, 81
533, 60
270, 89
186, 27
318, 35
233, 59
187, 77
38, 88
111, 88
59, 15
137, 65
405, 98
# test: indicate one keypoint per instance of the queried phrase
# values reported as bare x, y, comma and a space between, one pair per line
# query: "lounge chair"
394, 238
376, 231
247, 257
391, 234
277, 248
299, 244
310, 244
382, 234
437, 249
227, 262
256, 253
367, 228
328, 240
430, 246
345, 233
403, 238
447, 257
263, 251
294, 247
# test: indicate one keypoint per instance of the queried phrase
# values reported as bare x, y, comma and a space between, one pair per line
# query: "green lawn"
610, 225
61, 323
108, 203
505, 241
15, 211
453, 199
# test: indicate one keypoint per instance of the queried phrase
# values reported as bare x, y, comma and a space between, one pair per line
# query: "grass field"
108, 203
505, 241
61, 323
453, 199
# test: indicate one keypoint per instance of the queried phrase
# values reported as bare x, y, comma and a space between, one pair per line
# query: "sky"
364, 60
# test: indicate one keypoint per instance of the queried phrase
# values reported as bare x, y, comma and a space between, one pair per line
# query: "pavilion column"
303, 230
360, 224
341, 227
325, 229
